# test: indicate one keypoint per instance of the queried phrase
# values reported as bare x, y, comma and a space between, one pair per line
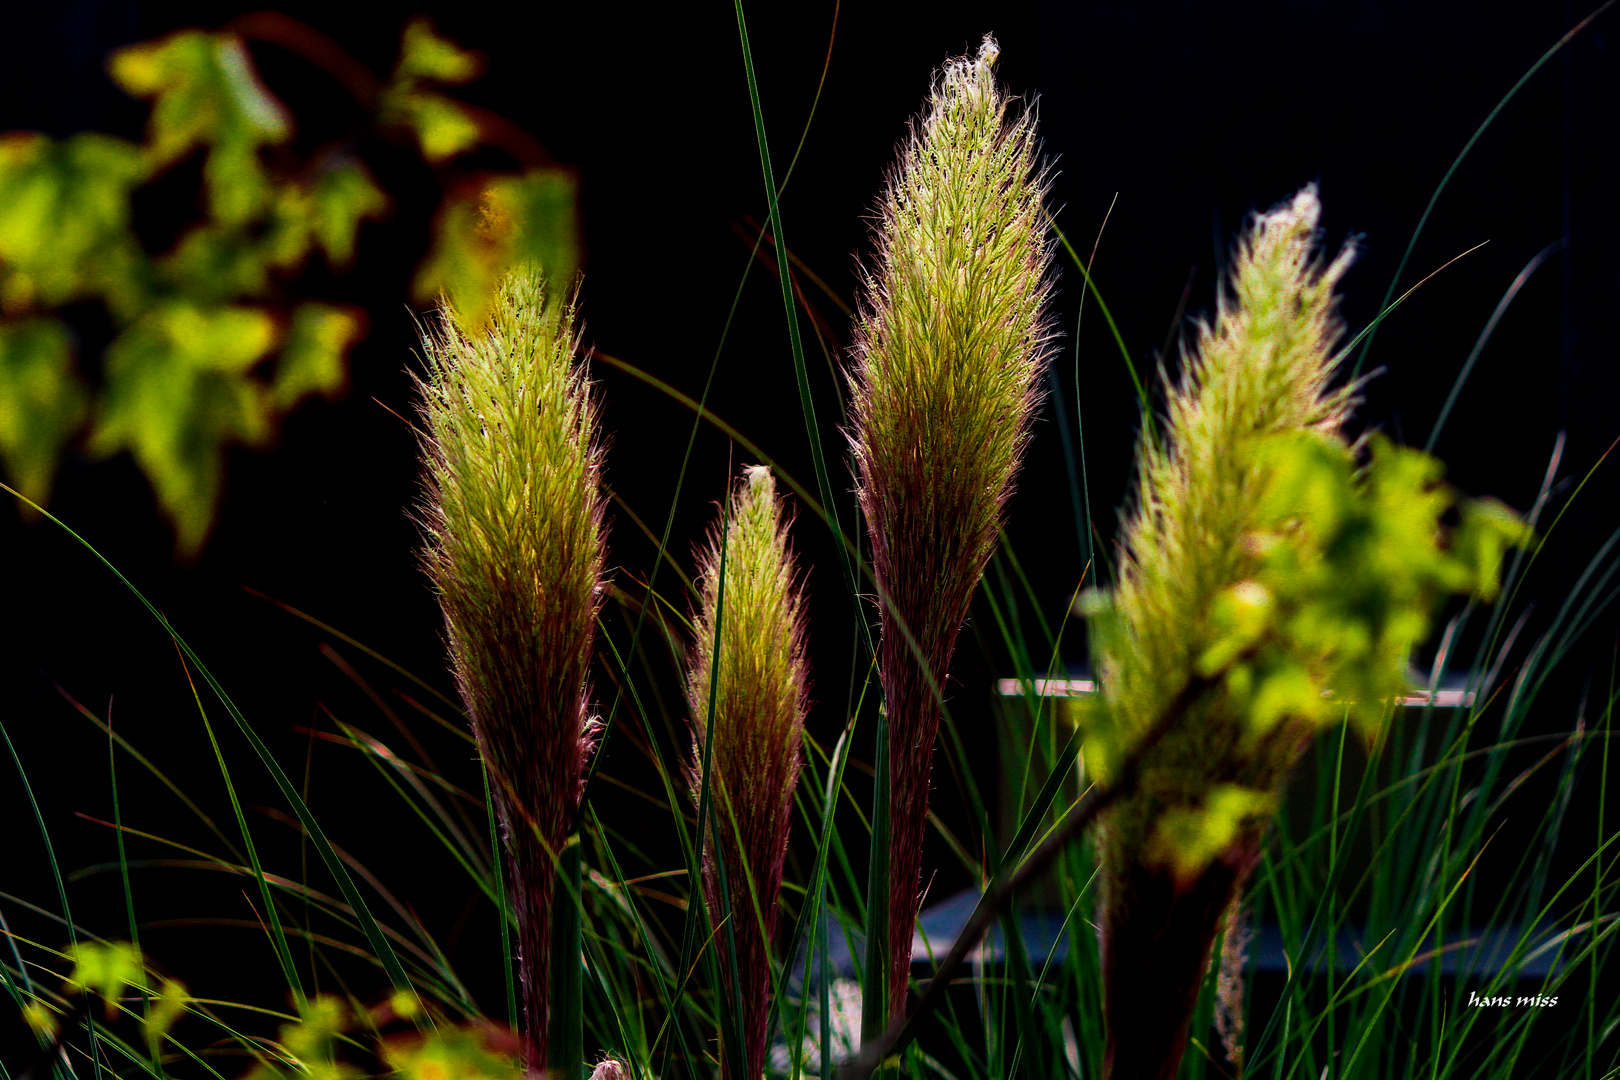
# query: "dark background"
1182, 117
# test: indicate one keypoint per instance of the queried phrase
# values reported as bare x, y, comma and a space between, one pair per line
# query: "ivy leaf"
214, 264
105, 970
42, 402
528, 218
443, 128
539, 211
167, 1006
448, 1051
178, 392
424, 54
1487, 530
311, 362
64, 219
342, 196
1188, 839
205, 92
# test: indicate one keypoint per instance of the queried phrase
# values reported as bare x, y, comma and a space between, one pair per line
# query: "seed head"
514, 544
951, 338
750, 667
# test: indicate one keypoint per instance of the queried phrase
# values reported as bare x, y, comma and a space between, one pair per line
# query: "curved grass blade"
384, 952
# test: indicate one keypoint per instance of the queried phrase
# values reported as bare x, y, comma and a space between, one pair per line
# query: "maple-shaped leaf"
64, 219
205, 92
42, 402
311, 361
341, 197
442, 126
532, 218
178, 392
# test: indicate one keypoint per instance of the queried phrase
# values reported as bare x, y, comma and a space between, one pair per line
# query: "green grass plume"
750, 667
513, 520
950, 341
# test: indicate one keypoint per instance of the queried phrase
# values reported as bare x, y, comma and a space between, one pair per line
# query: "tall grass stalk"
748, 690
1263, 366
950, 342
513, 520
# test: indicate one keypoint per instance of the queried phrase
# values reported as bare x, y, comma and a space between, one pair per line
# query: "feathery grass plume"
952, 335
513, 521
750, 668
1260, 570
1262, 367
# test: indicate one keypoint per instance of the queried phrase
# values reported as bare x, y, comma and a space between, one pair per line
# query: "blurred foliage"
323, 1042
1347, 569
213, 344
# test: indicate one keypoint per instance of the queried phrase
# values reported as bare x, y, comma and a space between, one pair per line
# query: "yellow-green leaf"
42, 402
463, 264
424, 54
204, 92
167, 1007
540, 211
442, 127
311, 361
64, 217
178, 392
1488, 528
1188, 839
448, 1053
343, 195
1238, 618
105, 970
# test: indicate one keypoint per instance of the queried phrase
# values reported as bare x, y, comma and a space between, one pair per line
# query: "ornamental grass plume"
952, 335
1267, 586
513, 521
1264, 366
750, 673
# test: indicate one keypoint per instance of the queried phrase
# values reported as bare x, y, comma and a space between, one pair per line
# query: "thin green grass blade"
1456, 164
384, 952
1484, 336
503, 908
278, 934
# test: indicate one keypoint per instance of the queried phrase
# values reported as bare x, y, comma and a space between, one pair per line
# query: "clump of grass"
748, 690
514, 544
952, 335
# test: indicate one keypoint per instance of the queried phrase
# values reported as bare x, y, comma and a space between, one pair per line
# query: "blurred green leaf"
106, 969
342, 196
64, 219
1487, 530
42, 402
443, 128
177, 393
205, 93
311, 362
424, 54
532, 218
1189, 838
213, 264
448, 1052
539, 210
166, 1008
